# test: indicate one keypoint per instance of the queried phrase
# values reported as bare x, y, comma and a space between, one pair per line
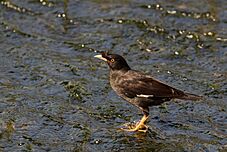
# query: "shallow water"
56, 97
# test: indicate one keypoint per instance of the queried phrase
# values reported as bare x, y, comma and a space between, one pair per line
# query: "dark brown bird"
138, 88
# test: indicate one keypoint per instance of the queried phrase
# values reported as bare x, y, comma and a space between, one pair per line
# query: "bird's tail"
189, 96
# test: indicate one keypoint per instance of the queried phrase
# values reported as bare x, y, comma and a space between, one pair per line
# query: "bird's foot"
135, 127
140, 126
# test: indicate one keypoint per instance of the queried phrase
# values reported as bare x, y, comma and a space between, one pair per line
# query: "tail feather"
189, 96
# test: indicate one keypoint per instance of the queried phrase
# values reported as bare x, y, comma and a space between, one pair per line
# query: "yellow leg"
139, 126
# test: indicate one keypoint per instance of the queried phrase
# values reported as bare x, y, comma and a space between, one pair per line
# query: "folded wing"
141, 85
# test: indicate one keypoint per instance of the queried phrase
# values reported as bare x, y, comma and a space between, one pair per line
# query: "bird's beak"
100, 57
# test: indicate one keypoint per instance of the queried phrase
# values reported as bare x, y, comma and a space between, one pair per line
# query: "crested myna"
138, 88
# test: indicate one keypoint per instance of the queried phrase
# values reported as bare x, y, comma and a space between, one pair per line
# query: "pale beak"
100, 57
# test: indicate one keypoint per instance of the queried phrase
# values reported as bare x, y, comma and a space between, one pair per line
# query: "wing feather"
136, 84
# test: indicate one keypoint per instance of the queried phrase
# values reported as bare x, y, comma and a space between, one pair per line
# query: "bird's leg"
140, 126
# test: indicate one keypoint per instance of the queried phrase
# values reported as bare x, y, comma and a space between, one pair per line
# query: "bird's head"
115, 61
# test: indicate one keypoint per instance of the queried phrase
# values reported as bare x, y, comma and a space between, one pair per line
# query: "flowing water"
54, 96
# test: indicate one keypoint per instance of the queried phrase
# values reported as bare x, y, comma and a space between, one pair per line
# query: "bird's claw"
137, 127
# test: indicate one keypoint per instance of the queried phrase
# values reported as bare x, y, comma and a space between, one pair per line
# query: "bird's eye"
112, 60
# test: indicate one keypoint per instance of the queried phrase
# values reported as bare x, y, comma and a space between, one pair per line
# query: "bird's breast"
116, 79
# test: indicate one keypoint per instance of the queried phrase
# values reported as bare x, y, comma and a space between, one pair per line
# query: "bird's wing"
144, 86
